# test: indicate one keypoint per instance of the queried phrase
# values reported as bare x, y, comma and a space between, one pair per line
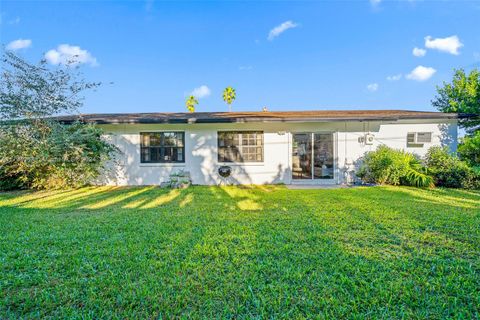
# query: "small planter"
178, 180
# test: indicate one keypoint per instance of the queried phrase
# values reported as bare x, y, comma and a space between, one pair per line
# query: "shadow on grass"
238, 252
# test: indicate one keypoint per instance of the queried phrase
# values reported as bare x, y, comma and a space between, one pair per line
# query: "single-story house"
306, 147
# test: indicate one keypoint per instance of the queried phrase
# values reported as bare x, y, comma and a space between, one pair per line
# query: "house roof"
240, 117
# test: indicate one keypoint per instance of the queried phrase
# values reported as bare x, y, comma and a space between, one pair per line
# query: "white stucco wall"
201, 149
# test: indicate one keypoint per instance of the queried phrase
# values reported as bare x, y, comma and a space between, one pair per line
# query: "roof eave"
194, 120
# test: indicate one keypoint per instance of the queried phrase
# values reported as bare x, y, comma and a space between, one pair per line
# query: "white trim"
161, 164
159, 130
240, 164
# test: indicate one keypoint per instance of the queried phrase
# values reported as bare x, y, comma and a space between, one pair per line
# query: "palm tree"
229, 96
190, 103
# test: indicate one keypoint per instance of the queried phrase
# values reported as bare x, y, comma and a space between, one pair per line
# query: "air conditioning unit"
367, 139
419, 137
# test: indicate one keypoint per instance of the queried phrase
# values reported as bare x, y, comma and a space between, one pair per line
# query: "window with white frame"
240, 146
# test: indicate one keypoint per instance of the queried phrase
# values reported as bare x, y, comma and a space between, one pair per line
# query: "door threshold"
317, 182
316, 186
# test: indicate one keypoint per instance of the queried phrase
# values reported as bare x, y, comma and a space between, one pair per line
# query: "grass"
259, 252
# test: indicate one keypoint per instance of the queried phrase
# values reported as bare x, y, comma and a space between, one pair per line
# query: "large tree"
35, 149
462, 95
34, 92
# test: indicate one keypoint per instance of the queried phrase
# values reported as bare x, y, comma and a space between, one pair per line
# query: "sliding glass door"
302, 156
312, 156
323, 155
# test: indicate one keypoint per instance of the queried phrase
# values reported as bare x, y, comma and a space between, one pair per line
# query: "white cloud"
395, 77
243, 68
419, 52
449, 44
67, 54
372, 87
375, 2
421, 73
19, 44
201, 92
278, 30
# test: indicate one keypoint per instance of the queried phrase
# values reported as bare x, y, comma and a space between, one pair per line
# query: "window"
162, 147
419, 138
240, 146
424, 137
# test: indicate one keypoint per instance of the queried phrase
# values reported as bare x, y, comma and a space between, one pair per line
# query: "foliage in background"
229, 95
35, 150
469, 149
389, 166
449, 171
191, 103
462, 95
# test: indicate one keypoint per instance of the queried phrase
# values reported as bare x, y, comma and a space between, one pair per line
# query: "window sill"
241, 164
160, 164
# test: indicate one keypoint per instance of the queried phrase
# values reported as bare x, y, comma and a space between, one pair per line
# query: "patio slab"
317, 186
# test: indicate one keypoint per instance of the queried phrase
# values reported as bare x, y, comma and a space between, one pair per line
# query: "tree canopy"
36, 151
190, 103
462, 95
229, 95
29, 91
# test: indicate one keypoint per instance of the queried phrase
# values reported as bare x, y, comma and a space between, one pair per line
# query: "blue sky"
283, 55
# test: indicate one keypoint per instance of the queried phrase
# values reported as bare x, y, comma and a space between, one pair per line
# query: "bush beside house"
469, 150
450, 171
397, 167
59, 156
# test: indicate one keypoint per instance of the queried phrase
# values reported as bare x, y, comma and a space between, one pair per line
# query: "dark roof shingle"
239, 117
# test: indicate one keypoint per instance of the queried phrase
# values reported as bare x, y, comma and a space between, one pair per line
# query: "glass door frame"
312, 135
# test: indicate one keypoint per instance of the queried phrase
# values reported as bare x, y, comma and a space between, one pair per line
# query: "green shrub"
56, 156
418, 177
10, 181
449, 171
389, 166
469, 149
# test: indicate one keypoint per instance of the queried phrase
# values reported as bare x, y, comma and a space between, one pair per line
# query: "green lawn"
261, 252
